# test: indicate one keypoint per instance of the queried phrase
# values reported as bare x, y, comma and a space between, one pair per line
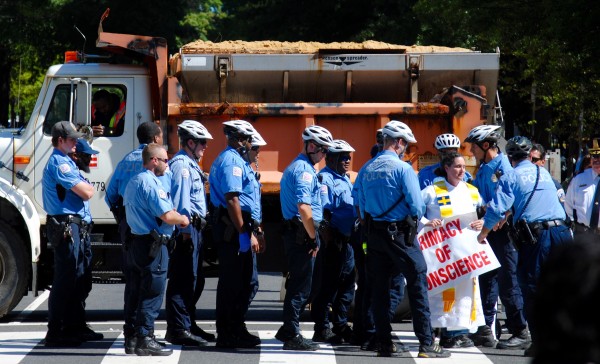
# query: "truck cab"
66, 94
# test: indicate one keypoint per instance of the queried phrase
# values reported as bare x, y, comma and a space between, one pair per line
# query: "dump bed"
350, 88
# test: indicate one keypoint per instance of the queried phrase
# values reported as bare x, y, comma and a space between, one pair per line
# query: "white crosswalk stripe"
271, 351
116, 353
459, 356
15, 346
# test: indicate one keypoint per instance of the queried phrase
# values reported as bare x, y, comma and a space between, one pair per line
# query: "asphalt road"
22, 331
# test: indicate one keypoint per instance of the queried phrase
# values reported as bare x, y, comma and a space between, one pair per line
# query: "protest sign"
452, 253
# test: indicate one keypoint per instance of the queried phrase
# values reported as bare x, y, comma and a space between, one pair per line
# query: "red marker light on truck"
71, 56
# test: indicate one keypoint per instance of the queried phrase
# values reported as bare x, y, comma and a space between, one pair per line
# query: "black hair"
147, 131
540, 148
102, 95
447, 160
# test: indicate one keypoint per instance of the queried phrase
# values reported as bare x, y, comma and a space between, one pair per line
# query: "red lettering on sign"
422, 244
450, 230
485, 258
443, 234
457, 225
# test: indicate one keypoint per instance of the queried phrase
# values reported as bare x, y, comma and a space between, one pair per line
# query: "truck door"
74, 100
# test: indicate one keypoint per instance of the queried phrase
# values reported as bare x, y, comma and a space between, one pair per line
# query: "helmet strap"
309, 154
192, 151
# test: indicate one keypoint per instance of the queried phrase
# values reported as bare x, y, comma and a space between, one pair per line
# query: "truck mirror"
81, 99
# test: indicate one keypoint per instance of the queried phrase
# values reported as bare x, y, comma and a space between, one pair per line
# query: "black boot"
147, 346
184, 337
196, 330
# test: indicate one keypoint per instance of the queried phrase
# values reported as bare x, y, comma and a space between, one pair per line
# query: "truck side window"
59, 107
108, 110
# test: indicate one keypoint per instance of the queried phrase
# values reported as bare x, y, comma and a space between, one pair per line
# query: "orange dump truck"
352, 89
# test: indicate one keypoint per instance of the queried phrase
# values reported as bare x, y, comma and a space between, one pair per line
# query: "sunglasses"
202, 141
535, 160
255, 148
595, 156
345, 158
166, 160
321, 148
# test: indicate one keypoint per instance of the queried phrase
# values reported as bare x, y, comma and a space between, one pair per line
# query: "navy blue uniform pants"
148, 279
300, 269
200, 282
129, 301
503, 282
66, 304
183, 268
385, 259
531, 259
234, 288
364, 324
334, 270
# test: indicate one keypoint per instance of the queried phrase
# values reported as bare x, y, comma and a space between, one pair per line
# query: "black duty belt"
547, 224
70, 219
383, 225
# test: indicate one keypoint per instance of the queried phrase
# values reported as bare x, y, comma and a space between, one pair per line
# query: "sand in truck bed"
275, 47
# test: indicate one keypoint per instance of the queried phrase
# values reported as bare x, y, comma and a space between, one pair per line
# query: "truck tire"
14, 273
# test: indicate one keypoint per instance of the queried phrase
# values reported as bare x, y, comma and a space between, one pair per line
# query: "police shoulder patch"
64, 168
162, 194
237, 171
306, 177
185, 173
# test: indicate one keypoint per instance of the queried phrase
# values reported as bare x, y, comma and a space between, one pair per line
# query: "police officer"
393, 206
375, 149
502, 281
444, 143
82, 158
187, 193
582, 201
334, 268
132, 164
151, 216
302, 210
363, 331
529, 193
235, 194
64, 193
538, 157
252, 158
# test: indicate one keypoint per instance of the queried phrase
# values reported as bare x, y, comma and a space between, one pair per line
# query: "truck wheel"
14, 273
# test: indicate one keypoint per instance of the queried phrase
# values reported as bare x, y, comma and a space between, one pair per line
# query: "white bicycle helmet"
191, 129
446, 141
397, 129
257, 140
340, 146
318, 134
483, 133
239, 126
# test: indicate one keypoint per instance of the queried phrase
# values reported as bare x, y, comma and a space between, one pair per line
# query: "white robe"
458, 311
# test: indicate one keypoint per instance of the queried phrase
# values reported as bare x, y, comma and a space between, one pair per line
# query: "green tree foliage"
547, 46
319, 20
36, 33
